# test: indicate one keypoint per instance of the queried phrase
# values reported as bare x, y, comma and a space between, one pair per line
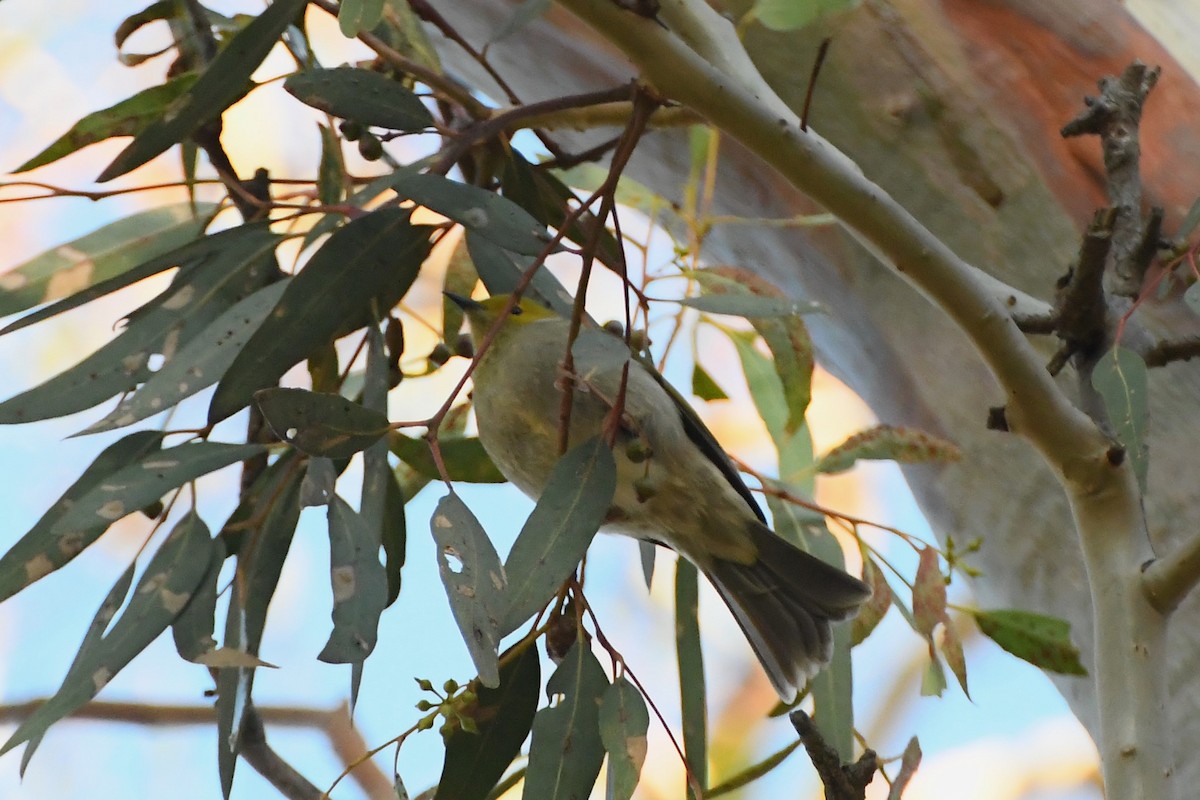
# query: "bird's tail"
785, 602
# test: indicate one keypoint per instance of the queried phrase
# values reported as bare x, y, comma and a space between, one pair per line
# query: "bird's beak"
465, 303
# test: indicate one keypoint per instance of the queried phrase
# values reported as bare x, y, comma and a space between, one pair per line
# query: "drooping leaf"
404, 32
873, 611
230, 245
197, 296
374, 258
331, 177
693, 692
485, 213
395, 535
101, 255
790, 15
933, 679
832, 688
750, 306
359, 585
460, 280
1121, 378
786, 337
356, 16
902, 445
503, 717
566, 751
909, 761
39, 552
141, 483
193, 628
703, 385
1043, 641
463, 456
129, 117
221, 85
501, 274
198, 364
929, 593
624, 721
161, 594
320, 424
952, 651
552, 541
474, 581
367, 97
382, 505
233, 695
646, 554
320, 479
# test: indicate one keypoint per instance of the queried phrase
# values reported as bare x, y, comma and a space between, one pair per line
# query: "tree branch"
1168, 580
258, 754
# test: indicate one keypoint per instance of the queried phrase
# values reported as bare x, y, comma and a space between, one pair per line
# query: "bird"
675, 486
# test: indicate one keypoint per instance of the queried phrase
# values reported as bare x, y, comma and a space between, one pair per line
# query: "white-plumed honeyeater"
674, 485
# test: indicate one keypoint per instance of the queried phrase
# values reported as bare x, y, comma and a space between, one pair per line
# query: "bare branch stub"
841, 781
1115, 116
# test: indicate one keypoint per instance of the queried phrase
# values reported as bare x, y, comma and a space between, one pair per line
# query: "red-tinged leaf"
1042, 641
952, 651
874, 610
903, 445
929, 593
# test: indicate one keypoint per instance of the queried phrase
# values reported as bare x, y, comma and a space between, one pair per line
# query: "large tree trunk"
954, 108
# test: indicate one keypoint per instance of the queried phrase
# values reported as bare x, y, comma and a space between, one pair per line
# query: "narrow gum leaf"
624, 721
320, 424
359, 585
370, 98
1043, 641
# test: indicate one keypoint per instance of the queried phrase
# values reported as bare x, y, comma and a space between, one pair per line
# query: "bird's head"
482, 314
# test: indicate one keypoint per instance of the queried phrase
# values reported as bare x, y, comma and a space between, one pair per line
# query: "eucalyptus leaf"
624, 722
503, 717
553, 540
501, 274
750, 306
1043, 641
902, 445
566, 751
356, 16
39, 552
1121, 378
373, 258
193, 628
367, 97
693, 691
320, 478
463, 456
222, 84
359, 585
474, 581
320, 424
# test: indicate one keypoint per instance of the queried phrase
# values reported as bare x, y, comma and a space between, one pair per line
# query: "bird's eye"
516, 311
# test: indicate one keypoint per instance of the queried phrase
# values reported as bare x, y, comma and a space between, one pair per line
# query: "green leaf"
933, 679
550, 545
503, 717
320, 424
196, 297
198, 364
320, 480
566, 751
331, 175
888, 442
101, 255
463, 456
403, 30
141, 483
500, 274
127, 118
374, 258
623, 721
703, 385
356, 16
474, 581
789, 15
1120, 377
161, 594
771, 401
521, 16
749, 306
231, 244
359, 585
394, 535
1043, 641
221, 85
956, 659
786, 337
692, 689
479, 211
874, 610
832, 688
39, 552
362, 95
193, 628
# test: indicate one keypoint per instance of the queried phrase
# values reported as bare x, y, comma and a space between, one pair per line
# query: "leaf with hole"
39, 552
359, 585
1043, 641
367, 97
163, 591
1121, 378
373, 259
552, 541
566, 752
222, 84
475, 762
624, 722
485, 213
101, 255
474, 582
320, 424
